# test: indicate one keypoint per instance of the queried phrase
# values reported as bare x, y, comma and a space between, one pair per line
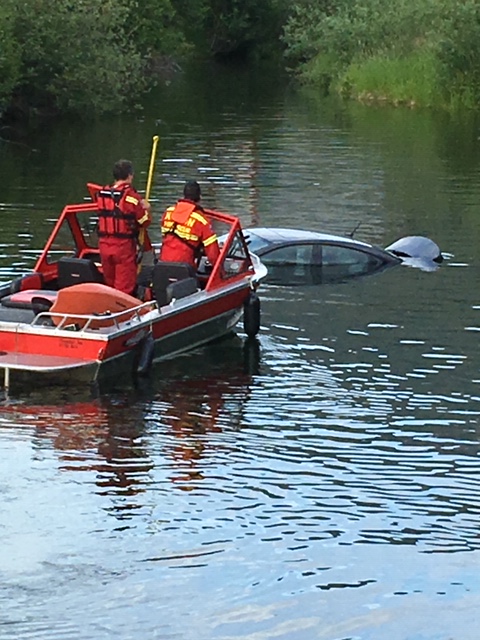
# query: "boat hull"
74, 358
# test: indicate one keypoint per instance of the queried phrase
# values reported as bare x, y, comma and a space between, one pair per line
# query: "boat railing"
93, 322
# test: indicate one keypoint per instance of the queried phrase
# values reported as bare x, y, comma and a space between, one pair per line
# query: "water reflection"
173, 414
101, 436
196, 397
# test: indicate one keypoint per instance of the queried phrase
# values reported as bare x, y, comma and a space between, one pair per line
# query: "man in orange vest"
186, 229
122, 215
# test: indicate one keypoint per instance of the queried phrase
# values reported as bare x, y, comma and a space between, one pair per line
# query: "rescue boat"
60, 321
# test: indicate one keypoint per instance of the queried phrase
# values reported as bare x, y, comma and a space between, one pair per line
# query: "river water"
322, 484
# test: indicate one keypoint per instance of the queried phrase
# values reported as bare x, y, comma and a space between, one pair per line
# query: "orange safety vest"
113, 220
183, 220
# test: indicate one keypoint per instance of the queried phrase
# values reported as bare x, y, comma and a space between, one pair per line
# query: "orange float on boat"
77, 304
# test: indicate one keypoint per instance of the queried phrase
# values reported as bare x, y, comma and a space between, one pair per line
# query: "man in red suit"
123, 214
186, 229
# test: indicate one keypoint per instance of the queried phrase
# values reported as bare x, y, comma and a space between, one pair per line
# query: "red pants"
119, 263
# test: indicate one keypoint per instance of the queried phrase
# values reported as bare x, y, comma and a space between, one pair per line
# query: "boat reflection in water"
196, 397
102, 435
155, 435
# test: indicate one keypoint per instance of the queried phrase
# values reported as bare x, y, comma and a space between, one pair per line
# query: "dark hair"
191, 191
122, 169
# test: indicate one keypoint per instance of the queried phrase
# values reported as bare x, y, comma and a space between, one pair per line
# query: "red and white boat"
61, 321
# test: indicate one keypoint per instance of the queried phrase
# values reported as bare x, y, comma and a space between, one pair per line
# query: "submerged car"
296, 256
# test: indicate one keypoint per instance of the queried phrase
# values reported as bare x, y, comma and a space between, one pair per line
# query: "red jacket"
185, 229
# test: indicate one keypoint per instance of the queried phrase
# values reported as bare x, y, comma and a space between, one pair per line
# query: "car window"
293, 254
350, 259
335, 255
254, 242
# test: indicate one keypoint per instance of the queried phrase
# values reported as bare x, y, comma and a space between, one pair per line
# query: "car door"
296, 263
342, 262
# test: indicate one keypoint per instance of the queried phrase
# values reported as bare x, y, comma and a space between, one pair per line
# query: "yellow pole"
141, 233
152, 166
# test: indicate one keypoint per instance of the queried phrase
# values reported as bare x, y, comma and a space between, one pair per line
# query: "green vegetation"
416, 52
67, 55
382, 78
91, 56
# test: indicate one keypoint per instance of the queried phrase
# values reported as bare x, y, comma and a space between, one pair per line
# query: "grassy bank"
412, 52
411, 80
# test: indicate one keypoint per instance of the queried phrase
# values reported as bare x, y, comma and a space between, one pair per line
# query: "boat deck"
8, 314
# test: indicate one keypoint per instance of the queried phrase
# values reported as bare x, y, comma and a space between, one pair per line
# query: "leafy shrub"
459, 51
91, 56
233, 26
10, 55
329, 40
77, 55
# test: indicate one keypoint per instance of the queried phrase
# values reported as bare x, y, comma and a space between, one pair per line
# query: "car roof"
278, 235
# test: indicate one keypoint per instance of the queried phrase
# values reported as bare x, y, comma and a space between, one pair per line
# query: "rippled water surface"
321, 483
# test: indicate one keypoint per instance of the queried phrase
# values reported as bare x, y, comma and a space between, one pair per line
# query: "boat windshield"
76, 235
237, 250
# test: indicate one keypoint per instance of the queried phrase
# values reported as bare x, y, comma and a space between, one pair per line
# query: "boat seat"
29, 299
32, 280
76, 271
173, 280
181, 288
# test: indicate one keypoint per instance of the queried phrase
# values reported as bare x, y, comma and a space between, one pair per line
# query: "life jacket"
178, 221
113, 220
